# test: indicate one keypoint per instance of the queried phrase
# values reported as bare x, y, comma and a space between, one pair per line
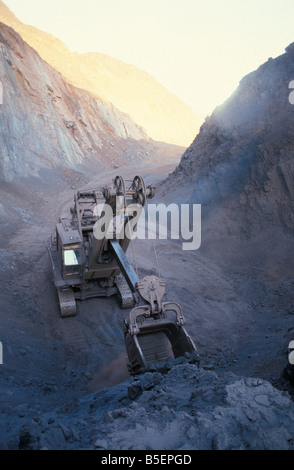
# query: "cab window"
72, 260
71, 257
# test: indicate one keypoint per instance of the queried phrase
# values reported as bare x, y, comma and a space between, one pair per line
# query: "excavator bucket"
154, 332
155, 344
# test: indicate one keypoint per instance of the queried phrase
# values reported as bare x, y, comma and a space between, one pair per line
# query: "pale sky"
198, 49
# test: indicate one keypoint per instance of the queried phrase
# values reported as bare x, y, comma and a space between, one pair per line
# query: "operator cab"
72, 259
69, 245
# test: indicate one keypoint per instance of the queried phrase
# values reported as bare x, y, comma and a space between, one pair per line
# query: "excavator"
86, 265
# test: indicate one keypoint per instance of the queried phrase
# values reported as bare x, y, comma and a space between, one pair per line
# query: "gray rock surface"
186, 408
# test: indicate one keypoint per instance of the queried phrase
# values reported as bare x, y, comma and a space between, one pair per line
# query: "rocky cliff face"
46, 122
242, 161
163, 116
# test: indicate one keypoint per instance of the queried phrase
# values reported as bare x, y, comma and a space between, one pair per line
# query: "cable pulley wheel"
119, 185
138, 186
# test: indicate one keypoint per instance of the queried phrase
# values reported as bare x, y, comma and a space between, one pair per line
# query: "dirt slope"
240, 168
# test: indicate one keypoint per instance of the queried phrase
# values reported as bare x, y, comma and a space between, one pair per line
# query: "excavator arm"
124, 265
